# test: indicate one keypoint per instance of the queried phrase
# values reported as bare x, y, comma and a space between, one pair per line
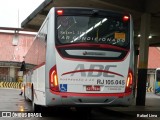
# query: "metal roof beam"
131, 5
32, 27
34, 13
45, 12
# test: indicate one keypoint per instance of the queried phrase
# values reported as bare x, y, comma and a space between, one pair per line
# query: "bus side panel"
35, 78
132, 64
27, 85
50, 54
40, 88
41, 78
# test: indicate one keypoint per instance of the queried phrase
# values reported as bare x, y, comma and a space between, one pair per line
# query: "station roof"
135, 7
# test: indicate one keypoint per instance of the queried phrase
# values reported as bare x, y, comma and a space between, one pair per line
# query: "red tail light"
125, 18
53, 79
129, 83
59, 12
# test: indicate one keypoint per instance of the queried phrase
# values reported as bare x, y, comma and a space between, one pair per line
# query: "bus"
157, 81
82, 57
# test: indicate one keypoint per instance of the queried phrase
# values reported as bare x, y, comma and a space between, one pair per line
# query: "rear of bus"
94, 58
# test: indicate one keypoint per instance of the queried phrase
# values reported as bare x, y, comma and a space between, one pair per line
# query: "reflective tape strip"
16, 85
149, 89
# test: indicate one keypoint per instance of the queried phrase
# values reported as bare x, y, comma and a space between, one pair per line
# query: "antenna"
18, 17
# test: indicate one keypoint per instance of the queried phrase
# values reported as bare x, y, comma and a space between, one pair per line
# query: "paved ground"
152, 107
10, 100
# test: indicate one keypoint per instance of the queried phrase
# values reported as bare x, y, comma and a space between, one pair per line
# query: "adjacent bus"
83, 57
157, 81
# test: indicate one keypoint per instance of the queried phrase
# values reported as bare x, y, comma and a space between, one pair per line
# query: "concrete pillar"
135, 66
12, 72
143, 59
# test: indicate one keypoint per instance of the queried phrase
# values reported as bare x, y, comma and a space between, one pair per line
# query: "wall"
13, 48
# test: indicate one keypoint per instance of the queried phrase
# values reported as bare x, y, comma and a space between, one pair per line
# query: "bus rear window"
83, 29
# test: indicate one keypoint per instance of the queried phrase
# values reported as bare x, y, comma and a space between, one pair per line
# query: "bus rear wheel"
35, 107
26, 99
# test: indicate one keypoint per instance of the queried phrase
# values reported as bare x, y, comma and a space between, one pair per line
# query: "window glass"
83, 29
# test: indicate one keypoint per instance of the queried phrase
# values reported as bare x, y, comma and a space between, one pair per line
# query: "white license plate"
93, 88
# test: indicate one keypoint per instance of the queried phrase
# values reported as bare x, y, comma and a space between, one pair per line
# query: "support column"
135, 67
12, 73
143, 59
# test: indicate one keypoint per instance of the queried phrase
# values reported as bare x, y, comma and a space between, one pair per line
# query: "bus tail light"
59, 12
53, 79
125, 18
129, 81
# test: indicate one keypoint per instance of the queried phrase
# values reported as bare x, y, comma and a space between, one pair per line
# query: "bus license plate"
92, 88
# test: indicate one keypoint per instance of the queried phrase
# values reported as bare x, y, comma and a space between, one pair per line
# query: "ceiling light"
139, 35
150, 36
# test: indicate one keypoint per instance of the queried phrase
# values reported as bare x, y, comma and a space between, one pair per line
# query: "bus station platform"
151, 110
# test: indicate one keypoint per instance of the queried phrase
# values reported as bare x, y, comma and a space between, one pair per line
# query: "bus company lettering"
94, 70
101, 39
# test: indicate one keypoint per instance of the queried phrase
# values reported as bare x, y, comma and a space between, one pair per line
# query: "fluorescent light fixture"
90, 29
98, 24
105, 19
59, 26
7, 31
29, 33
22, 32
150, 36
82, 34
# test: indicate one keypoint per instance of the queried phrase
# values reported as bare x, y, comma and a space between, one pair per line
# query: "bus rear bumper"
79, 99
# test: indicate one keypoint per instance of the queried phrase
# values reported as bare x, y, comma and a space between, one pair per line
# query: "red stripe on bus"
91, 94
92, 70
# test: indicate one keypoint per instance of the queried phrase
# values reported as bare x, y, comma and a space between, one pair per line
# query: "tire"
35, 108
25, 98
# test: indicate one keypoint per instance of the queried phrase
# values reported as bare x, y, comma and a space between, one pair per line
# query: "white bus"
83, 57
